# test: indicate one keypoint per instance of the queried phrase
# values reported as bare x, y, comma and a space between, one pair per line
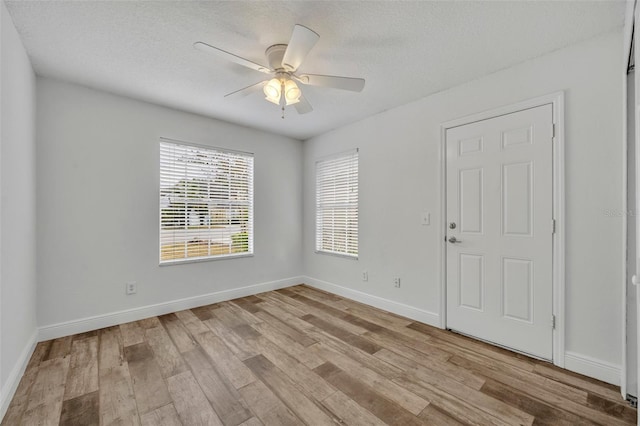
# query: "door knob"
454, 240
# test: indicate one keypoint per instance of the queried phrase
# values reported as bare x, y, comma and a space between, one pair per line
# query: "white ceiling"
404, 50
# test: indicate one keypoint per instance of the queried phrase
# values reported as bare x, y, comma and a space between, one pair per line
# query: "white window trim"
250, 253
317, 250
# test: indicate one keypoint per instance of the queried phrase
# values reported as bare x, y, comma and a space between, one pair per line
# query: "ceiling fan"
284, 61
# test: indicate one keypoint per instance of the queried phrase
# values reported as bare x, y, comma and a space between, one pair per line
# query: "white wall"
399, 166
98, 190
17, 208
97, 197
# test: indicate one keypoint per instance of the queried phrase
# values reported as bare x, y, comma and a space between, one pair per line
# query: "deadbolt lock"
452, 225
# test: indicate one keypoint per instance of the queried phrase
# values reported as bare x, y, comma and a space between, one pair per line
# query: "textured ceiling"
405, 50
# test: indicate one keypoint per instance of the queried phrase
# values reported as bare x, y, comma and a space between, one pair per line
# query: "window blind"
337, 204
206, 203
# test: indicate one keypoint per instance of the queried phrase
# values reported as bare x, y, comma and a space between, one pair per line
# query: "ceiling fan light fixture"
292, 92
272, 91
284, 61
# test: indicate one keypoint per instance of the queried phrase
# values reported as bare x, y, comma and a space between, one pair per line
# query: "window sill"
204, 259
344, 256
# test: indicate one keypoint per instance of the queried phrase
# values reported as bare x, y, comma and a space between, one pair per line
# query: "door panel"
470, 146
471, 281
515, 137
517, 194
499, 196
517, 289
470, 200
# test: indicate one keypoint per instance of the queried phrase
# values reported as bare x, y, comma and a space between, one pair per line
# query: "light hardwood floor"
297, 356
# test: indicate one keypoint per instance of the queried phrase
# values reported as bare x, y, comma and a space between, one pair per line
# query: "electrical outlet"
425, 218
396, 282
131, 287
365, 276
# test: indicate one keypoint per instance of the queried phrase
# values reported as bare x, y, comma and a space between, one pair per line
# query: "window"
206, 203
337, 204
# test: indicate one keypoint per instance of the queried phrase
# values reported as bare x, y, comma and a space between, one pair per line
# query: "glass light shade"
291, 92
272, 91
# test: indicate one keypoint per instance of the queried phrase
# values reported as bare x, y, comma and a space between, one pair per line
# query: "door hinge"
553, 130
553, 226
553, 322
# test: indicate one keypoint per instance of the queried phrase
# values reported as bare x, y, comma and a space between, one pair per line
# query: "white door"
499, 237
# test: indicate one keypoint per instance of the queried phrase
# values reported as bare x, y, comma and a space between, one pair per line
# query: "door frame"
628, 36
558, 258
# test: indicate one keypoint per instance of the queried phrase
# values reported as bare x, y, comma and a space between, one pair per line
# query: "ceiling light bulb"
291, 92
272, 91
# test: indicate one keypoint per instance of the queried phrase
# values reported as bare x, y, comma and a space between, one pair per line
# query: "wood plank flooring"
298, 356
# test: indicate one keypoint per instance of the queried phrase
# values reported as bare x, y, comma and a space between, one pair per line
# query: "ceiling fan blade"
344, 83
303, 106
302, 41
246, 90
204, 47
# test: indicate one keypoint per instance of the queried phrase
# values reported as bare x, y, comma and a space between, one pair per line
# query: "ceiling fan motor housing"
274, 56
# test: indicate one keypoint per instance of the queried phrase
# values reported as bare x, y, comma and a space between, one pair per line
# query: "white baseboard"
596, 368
82, 325
398, 308
11, 385
578, 363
